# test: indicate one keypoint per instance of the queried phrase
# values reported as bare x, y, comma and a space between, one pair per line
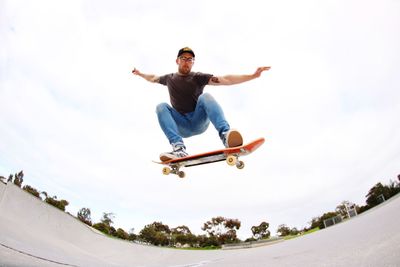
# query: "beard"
184, 69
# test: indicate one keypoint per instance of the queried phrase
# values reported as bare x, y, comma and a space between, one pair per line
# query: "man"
192, 110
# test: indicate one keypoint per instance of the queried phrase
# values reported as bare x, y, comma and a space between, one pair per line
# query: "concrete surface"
33, 233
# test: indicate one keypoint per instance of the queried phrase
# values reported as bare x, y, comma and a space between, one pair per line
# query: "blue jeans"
177, 126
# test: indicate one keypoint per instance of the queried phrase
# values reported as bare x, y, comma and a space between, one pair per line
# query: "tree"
315, 223
132, 235
394, 188
160, 227
60, 204
102, 227
363, 209
183, 235
19, 178
105, 224
84, 215
120, 233
182, 230
32, 191
294, 231
208, 241
283, 230
108, 218
374, 194
224, 229
156, 233
148, 234
261, 231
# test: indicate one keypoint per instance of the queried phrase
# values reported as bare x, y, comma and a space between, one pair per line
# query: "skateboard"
230, 155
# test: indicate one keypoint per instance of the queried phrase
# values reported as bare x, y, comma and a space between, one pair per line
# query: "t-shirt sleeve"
163, 79
202, 78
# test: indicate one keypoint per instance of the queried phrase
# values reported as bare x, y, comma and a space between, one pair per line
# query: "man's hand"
259, 71
136, 71
148, 77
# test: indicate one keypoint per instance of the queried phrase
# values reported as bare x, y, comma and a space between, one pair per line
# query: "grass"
305, 233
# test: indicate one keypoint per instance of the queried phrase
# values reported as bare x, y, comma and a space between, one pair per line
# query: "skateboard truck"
233, 160
174, 170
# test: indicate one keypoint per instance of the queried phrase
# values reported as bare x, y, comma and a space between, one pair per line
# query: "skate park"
33, 233
80, 125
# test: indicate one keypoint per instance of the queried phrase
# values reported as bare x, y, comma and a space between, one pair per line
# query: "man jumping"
191, 110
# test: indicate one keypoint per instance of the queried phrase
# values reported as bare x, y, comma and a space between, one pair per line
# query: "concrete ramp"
33, 233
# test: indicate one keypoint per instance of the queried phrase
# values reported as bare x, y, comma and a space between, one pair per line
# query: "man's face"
185, 63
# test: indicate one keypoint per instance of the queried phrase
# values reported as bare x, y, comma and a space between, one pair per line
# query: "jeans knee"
161, 108
206, 97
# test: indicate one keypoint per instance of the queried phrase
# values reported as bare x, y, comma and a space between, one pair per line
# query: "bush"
60, 204
102, 227
32, 191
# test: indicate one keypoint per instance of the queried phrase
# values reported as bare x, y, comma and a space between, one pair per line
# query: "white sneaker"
178, 152
232, 138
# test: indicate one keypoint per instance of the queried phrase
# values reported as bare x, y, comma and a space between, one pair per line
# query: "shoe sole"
165, 157
235, 139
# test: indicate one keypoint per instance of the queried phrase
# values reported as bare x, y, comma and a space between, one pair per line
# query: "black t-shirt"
184, 90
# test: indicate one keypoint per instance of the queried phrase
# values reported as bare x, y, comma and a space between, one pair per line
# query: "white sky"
82, 127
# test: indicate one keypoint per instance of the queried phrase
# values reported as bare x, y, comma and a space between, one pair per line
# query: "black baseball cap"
186, 50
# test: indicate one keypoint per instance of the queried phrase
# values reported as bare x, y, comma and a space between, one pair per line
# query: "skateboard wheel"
166, 170
231, 160
240, 165
181, 174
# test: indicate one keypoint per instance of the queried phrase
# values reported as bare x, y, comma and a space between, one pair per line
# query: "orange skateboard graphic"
230, 155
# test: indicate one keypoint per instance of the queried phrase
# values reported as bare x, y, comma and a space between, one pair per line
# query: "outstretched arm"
235, 79
148, 77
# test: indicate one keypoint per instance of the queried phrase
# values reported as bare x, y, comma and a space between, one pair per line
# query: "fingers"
135, 71
263, 68
260, 70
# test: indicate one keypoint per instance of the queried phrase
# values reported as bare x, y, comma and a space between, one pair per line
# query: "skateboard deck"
230, 155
